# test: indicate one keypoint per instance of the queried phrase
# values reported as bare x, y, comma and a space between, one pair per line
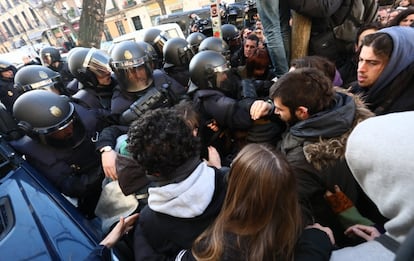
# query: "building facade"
35, 23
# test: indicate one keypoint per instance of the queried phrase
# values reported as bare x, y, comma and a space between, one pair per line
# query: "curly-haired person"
189, 194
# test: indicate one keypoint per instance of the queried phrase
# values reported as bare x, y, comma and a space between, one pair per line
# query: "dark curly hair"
161, 141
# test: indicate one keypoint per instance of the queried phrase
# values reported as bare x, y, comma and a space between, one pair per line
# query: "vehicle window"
172, 33
6, 217
5, 166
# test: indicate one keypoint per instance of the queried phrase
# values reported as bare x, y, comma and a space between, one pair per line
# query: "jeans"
273, 24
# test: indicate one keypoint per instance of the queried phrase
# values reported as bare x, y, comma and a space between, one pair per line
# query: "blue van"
36, 221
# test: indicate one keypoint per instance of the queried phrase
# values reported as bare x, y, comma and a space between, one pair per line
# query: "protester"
381, 162
319, 122
274, 16
260, 218
385, 71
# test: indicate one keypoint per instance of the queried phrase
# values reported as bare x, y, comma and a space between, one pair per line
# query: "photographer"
198, 24
250, 13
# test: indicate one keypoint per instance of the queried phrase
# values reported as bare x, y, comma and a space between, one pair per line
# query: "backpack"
350, 16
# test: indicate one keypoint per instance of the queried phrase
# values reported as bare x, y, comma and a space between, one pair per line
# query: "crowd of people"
210, 148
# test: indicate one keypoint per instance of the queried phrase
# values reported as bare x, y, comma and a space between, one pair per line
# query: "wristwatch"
105, 149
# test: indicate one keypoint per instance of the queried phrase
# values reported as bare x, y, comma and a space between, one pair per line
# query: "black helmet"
87, 63
204, 69
156, 38
49, 55
177, 52
215, 44
32, 77
152, 54
6, 66
41, 114
229, 32
128, 61
231, 36
194, 40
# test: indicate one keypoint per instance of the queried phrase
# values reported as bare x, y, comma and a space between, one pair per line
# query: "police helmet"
86, 64
177, 52
152, 54
49, 55
6, 66
42, 114
157, 38
132, 66
204, 69
194, 39
229, 32
215, 44
231, 35
32, 77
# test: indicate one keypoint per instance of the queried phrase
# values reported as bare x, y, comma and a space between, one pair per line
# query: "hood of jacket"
401, 57
186, 199
380, 156
324, 135
328, 123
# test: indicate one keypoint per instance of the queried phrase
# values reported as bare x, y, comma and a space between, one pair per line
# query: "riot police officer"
177, 56
140, 89
231, 35
94, 79
152, 54
7, 92
58, 143
215, 44
34, 77
223, 115
194, 40
157, 39
50, 57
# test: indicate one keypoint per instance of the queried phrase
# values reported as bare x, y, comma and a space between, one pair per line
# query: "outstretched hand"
108, 164
123, 227
259, 109
366, 232
327, 230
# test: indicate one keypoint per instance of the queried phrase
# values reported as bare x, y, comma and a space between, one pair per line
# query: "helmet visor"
160, 41
135, 79
128, 64
97, 62
51, 84
46, 59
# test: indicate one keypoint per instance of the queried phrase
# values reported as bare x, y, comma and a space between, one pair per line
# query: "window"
136, 20
13, 28
6, 217
29, 24
8, 4
107, 34
9, 33
35, 17
19, 24
120, 27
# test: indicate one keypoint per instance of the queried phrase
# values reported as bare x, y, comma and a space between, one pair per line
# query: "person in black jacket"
58, 143
385, 71
7, 92
260, 219
50, 57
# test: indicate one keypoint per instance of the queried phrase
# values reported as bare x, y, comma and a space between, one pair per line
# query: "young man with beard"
319, 121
